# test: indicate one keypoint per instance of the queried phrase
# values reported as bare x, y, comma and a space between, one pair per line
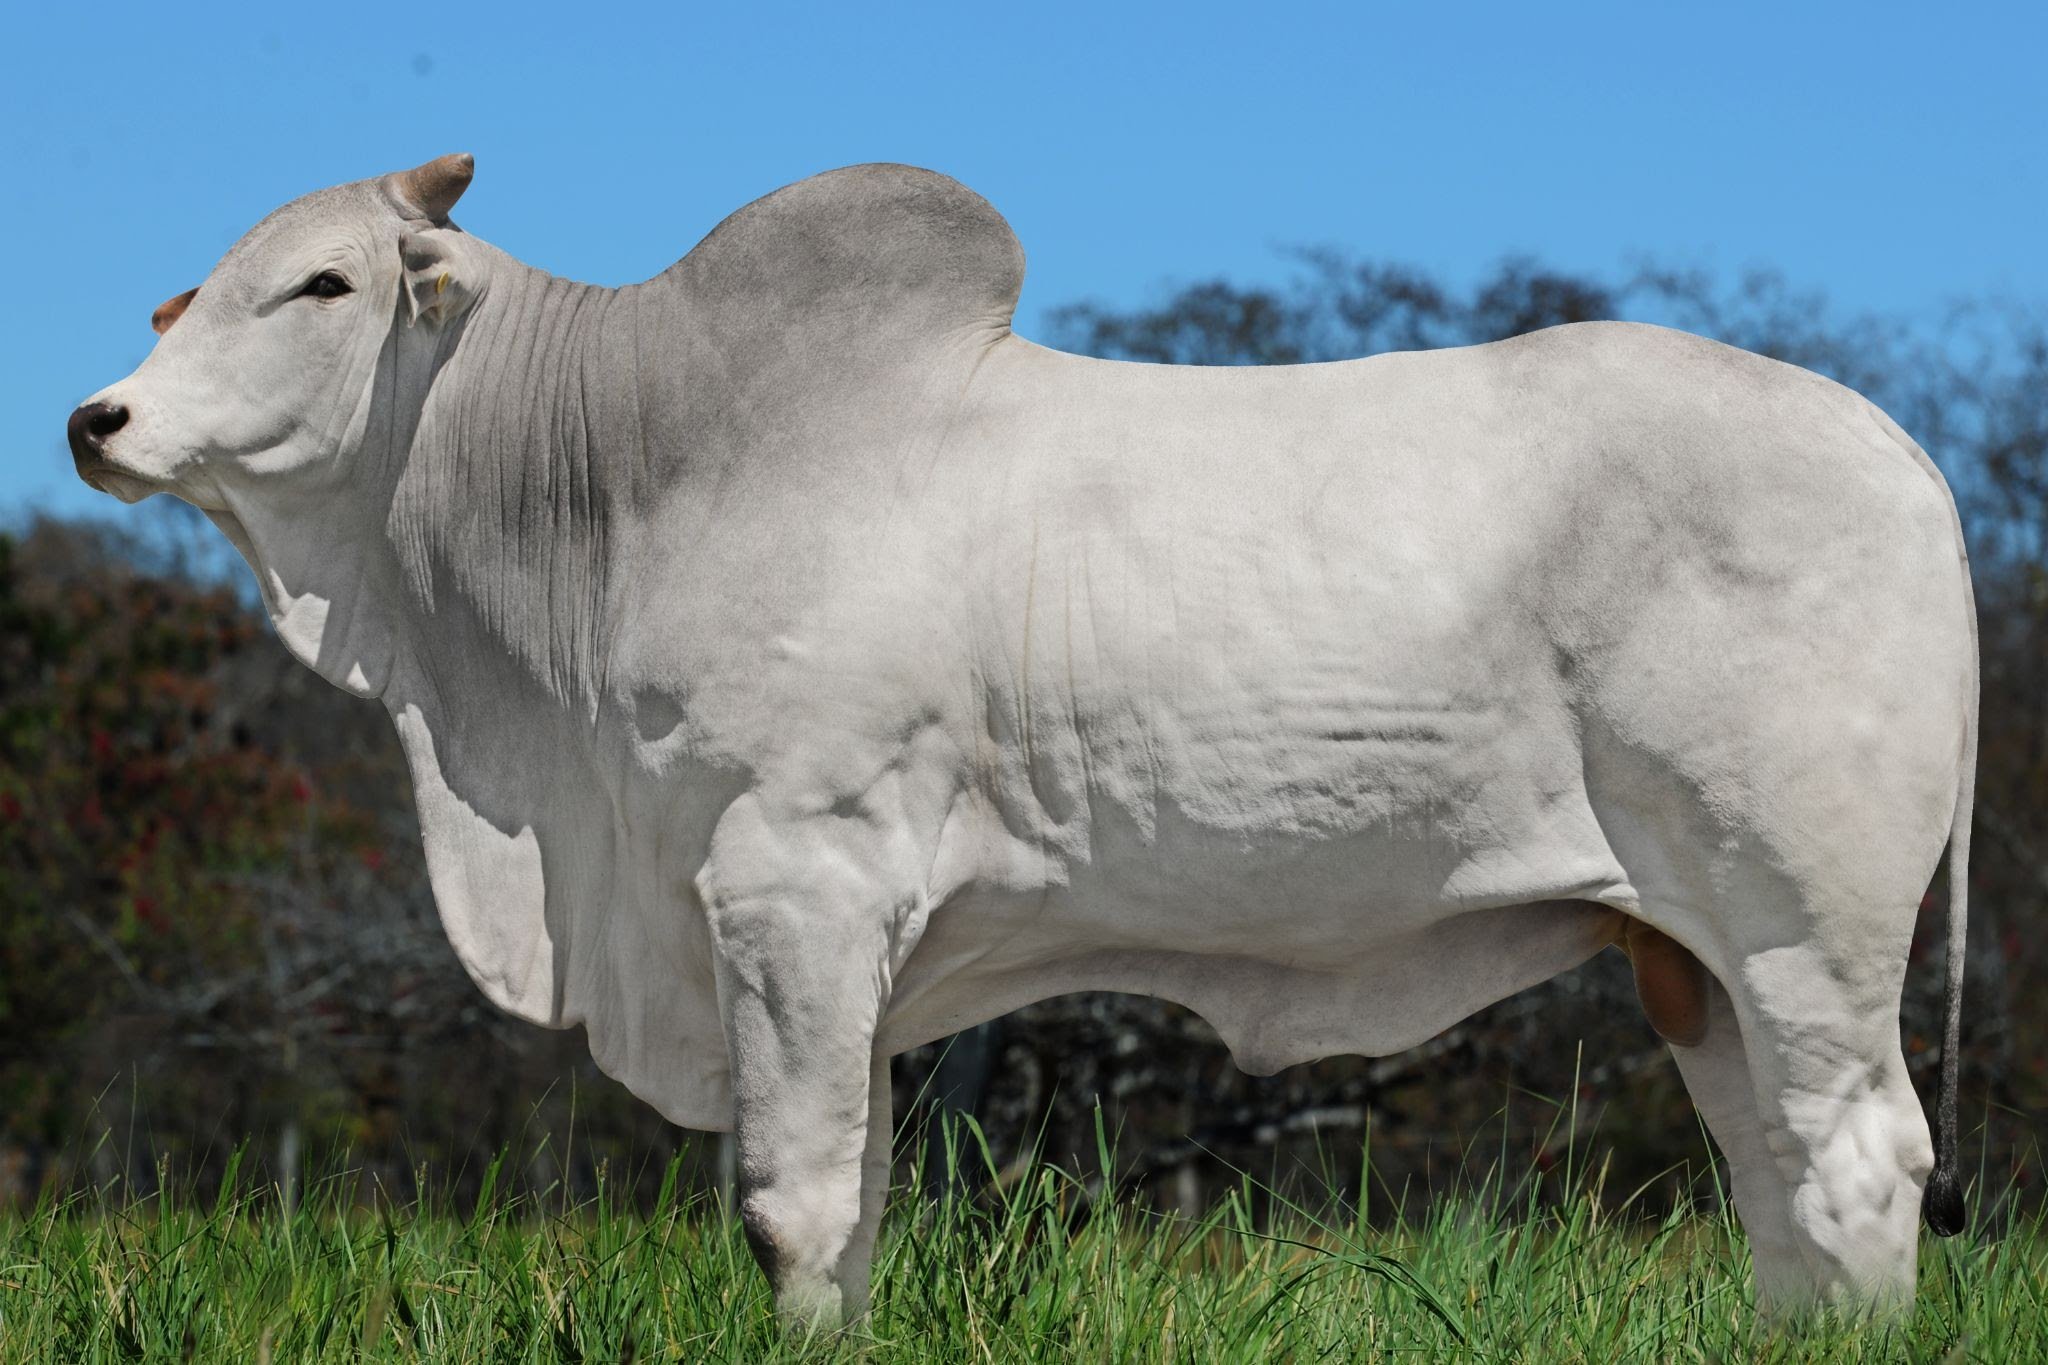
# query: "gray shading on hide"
795, 666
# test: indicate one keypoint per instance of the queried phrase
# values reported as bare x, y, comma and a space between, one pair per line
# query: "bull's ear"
439, 274
170, 310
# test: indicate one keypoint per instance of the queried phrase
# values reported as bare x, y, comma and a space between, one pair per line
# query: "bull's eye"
326, 285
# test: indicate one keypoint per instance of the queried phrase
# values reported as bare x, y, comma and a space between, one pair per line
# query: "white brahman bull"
796, 665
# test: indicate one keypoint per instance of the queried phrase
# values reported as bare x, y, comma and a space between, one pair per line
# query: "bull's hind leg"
1802, 1082
1820, 1027
1716, 1072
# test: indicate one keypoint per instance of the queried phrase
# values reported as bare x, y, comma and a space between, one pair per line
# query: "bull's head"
265, 368
258, 400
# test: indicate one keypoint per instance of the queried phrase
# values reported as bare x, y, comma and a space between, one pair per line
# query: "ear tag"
441, 284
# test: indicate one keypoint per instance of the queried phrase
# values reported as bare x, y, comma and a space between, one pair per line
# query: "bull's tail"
1942, 1204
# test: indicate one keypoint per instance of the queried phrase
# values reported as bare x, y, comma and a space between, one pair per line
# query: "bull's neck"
501, 515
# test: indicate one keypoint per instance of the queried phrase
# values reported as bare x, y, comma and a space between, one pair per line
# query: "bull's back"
1325, 617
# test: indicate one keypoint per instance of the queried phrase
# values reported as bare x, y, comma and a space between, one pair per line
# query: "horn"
431, 190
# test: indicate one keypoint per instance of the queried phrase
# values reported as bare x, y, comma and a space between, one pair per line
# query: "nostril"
105, 419
91, 425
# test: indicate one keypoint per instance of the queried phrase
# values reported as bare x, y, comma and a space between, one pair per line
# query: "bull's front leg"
802, 974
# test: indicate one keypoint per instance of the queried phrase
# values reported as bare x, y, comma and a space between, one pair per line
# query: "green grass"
1038, 1271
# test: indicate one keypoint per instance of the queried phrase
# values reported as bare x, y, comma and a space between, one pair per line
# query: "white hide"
795, 666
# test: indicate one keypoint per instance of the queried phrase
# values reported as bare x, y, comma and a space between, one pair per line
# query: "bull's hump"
879, 247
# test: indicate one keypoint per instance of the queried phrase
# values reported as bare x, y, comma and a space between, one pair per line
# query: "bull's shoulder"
873, 247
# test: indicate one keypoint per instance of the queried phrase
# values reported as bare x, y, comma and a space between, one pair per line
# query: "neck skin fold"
499, 515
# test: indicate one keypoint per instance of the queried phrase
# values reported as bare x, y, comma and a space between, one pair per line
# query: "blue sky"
1895, 156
